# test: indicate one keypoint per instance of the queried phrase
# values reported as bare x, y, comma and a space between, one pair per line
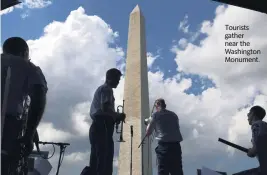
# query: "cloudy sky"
76, 42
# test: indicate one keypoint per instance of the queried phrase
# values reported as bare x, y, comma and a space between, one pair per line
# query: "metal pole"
131, 164
233, 145
60, 156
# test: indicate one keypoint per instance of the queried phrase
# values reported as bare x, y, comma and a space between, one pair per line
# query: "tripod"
62, 147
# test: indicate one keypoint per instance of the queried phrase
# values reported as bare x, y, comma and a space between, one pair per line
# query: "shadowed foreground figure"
169, 153
259, 141
101, 131
26, 80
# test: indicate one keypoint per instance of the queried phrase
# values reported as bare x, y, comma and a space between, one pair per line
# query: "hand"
28, 145
251, 153
122, 117
117, 122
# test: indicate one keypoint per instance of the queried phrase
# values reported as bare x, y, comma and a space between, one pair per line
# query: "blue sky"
162, 34
162, 24
162, 21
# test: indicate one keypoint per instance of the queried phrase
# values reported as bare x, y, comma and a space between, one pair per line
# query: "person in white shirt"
104, 117
259, 141
167, 129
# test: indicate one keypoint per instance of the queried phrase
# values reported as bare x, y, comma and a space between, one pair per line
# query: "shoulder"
37, 70
105, 89
258, 124
5, 58
171, 113
257, 127
155, 114
36, 75
12, 60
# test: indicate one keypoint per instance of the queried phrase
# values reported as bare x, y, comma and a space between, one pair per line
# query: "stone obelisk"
136, 100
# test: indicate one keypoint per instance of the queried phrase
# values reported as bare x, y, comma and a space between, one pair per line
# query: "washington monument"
136, 100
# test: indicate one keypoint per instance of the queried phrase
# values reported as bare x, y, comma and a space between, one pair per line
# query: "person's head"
113, 77
256, 113
16, 46
160, 104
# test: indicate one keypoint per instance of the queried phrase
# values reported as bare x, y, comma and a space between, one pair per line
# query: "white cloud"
206, 26
77, 157
32, 4
151, 59
182, 42
183, 26
237, 83
75, 54
27, 4
6, 11
81, 119
25, 14
48, 132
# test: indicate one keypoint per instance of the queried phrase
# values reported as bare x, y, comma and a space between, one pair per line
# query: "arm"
252, 152
37, 107
37, 92
151, 126
255, 134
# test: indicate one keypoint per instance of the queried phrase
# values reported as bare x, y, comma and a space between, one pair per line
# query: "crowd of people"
20, 78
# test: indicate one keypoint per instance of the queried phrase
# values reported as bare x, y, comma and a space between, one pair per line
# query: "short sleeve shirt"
259, 129
24, 76
166, 125
103, 94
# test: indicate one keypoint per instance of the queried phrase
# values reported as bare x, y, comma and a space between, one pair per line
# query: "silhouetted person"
259, 141
167, 129
26, 80
101, 131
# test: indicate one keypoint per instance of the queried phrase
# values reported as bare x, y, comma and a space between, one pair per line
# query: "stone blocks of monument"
136, 98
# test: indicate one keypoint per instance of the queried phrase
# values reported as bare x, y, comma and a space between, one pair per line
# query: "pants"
10, 149
169, 156
102, 147
5, 164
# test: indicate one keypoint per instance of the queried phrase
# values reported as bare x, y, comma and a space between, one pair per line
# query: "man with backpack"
20, 79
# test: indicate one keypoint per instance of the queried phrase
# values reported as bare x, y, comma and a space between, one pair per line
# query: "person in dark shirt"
19, 79
104, 117
167, 129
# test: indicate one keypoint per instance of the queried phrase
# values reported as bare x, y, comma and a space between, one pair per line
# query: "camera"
147, 121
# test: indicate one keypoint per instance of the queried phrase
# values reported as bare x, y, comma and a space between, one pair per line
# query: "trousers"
10, 149
5, 164
102, 147
169, 156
